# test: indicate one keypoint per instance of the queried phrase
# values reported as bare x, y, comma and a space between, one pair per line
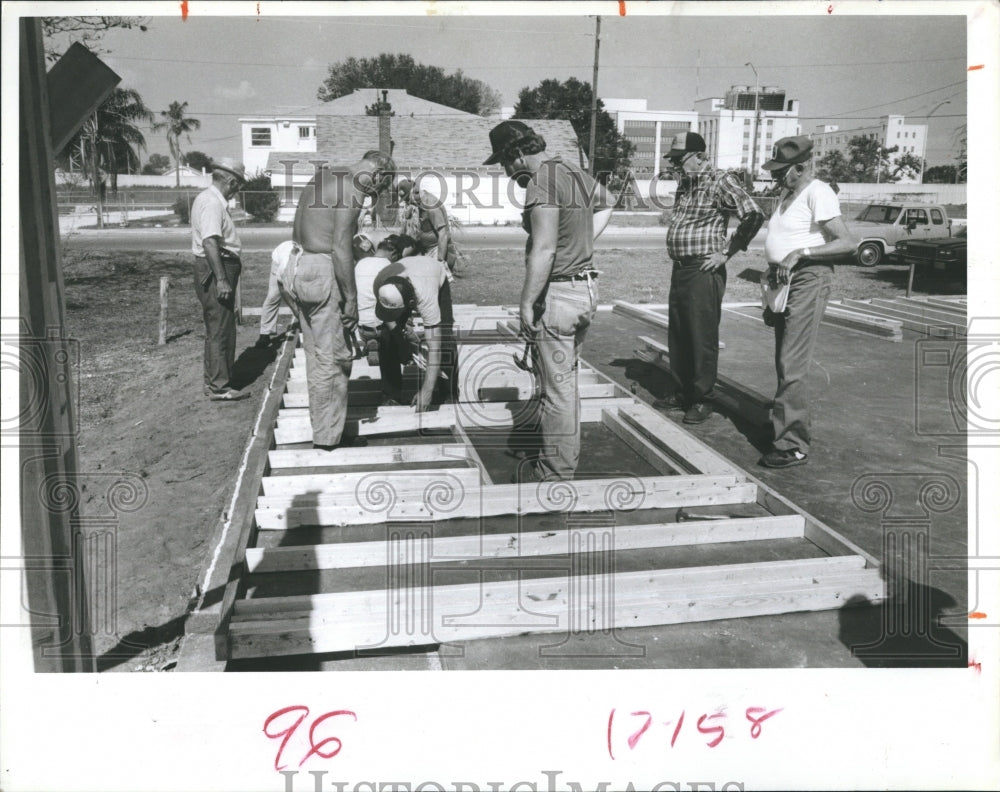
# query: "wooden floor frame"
403, 490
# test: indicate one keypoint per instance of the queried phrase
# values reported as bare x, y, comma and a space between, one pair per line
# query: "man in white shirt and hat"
216, 248
805, 233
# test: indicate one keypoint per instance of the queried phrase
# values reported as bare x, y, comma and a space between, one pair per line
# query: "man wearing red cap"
696, 242
564, 211
804, 234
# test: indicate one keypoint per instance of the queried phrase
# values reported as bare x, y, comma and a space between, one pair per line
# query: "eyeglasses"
679, 160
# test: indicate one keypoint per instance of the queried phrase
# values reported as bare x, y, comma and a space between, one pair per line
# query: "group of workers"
347, 290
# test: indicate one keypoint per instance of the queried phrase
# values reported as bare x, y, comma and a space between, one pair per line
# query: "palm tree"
176, 125
110, 140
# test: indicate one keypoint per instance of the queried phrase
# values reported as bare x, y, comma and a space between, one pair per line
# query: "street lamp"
756, 119
923, 159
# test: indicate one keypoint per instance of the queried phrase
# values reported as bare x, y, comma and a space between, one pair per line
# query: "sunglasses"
680, 159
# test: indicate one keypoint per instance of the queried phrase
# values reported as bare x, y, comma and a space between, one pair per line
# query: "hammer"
524, 361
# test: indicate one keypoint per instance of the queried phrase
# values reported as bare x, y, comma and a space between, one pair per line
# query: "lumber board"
494, 393
293, 426
231, 543
680, 446
942, 303
640, 313
350, 458
742, 399
926, 311
819, 533
890, 329
911, 321
442, 500
347, 555
547, 605
346, 482
297, 382
660, 462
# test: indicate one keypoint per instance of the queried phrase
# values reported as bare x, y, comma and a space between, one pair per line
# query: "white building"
891, 130
264, 134
650, 131
729, 126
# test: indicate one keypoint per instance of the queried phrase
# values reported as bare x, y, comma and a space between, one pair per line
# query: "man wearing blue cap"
696, 242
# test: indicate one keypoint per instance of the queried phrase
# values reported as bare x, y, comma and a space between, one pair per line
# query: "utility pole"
593, 98
756, 120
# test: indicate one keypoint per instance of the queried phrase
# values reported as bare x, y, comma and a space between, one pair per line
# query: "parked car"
882, 225
942, 255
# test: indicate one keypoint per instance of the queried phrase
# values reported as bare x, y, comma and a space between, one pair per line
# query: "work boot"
698, 413
783, 459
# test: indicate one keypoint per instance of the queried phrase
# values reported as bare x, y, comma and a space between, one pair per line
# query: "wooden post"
164, 288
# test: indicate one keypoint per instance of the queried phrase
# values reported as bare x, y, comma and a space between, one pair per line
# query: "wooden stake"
164, 287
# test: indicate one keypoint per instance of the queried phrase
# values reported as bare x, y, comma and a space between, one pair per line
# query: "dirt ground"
143, 419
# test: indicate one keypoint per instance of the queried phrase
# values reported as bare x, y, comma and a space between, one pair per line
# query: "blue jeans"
312, 288
568, 310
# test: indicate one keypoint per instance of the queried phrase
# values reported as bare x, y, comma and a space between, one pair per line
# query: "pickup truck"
881, 225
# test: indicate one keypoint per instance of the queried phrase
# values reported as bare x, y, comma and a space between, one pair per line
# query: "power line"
903, 99
494, 67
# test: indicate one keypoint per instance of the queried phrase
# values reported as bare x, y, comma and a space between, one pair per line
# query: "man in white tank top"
805, 233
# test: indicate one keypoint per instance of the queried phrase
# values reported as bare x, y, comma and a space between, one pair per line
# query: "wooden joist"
674, 442
496, 392
347, 555
425, 616
881, 327
442, 499
277, 488
939, 303
369, 458
928, 312
293, 425
909, 320
640, 313
741, 399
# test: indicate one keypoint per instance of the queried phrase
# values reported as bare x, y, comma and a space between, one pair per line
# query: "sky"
845, 69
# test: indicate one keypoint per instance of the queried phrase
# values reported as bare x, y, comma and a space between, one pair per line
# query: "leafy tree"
418, 79
868, 160
907, 165
60, 32
110, 140
177, 125
156, 164
198, 160
961, 169
941, 174
571, 101
260, 199
833, 166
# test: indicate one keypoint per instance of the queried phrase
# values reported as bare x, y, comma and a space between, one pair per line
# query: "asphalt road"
266, 239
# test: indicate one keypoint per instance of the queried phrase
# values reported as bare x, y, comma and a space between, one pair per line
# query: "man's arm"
345, 223
751, 218
604, 206
544, 235
840, 242
422, 400
439, 222
212, 252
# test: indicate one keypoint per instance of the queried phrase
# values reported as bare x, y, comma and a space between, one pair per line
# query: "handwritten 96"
663, 730
320, 739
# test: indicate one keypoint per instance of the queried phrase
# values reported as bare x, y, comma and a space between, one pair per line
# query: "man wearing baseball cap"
696, 242
414, 285
216, 248
804, 234
564, 210
425, 219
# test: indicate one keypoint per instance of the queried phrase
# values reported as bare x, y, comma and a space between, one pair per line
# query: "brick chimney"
384, 113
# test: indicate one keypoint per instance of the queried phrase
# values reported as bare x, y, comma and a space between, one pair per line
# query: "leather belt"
580, 276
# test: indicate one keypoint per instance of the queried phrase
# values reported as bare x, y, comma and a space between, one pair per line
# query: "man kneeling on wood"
414, 285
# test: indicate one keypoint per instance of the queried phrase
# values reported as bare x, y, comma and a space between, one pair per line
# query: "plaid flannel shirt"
703, 204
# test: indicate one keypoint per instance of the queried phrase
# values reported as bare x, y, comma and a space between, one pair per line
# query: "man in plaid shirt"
696, 242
